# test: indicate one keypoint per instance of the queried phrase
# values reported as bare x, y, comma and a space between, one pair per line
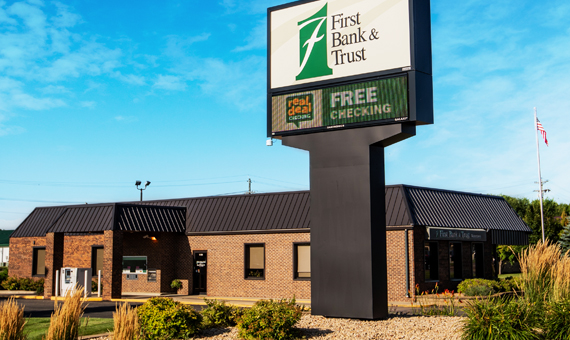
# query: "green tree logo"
313, 46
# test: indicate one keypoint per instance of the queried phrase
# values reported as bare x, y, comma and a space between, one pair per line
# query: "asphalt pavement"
95, 309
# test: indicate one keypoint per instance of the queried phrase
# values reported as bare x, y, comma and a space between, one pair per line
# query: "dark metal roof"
84, 219
454, 209
397, 209
278, 212
243, 213
150, 218
100, 217
38, 222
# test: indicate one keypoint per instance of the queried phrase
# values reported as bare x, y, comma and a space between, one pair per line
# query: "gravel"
396, 327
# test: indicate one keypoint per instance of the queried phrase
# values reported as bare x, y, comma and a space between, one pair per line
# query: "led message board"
319, 46
374, 102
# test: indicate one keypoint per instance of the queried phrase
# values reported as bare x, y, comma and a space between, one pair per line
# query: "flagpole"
539, 176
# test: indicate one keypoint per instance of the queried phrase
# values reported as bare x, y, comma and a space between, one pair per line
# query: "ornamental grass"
538, 272
65, 320
126, 323
12, 321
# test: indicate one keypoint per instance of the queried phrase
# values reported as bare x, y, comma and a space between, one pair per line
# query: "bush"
501, 319
15, 283
218, 314
557, 323
164, 318
64, 322
94, 286
126, 323
3, 274
269, 319
477, 287
176, 284
507, 284
12, 321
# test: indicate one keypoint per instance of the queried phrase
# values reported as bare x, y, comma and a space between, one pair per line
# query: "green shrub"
218, 314
164, 318
507, 284
11, 283
3, 274
269, 319
501, 319
557, 323
477, 287
176, 284
94, 286
15, 283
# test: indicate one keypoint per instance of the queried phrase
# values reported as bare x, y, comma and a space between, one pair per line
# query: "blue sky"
97, 94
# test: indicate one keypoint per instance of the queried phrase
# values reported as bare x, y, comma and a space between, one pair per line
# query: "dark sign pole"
348, 221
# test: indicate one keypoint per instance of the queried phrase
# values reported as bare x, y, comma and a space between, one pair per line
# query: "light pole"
137, 183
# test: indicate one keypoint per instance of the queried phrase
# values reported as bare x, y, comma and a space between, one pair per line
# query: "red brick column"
112, 265
54, 261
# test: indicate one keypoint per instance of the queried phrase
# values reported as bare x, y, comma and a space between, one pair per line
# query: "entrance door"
200, 271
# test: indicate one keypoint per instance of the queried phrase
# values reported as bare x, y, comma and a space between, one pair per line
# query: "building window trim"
295, 261
436, 263
246, 265
35, 261
94, 259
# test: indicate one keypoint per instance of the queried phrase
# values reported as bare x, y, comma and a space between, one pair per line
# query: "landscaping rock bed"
396, 327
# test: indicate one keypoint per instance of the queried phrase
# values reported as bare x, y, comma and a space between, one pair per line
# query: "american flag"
542, 131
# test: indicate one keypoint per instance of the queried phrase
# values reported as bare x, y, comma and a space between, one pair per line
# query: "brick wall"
77, 250
21, 250
396, 263
161, 254
226, 265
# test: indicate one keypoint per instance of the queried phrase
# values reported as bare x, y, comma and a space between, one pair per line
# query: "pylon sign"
316, 45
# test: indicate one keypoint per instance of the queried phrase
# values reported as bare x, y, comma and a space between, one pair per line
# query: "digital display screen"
381, 101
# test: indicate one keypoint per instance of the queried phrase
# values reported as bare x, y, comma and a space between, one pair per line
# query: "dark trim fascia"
402, 227
241, 232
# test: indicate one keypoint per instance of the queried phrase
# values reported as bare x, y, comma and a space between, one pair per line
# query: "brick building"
257, 245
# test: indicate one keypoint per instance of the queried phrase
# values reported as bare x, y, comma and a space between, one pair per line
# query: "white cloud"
169, 82
126, 119
88, 104
54, 89
257, 38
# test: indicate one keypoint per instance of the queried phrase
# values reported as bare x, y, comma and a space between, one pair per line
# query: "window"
302, 261
255, 261
39, 261
134, 264
455, 267
96, 260
477, 260
431, 261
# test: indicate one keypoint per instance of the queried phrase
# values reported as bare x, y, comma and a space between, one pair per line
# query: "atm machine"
72, 276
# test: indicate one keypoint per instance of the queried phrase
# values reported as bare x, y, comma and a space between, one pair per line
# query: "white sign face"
324, 40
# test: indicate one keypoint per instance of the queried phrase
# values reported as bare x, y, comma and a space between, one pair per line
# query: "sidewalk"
199, 299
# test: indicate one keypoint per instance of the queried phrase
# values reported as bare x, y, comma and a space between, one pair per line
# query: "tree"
508, 253
529, 212
564, 240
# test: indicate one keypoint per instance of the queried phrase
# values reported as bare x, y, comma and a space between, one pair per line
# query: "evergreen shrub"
219, 314
269, 319
164, 318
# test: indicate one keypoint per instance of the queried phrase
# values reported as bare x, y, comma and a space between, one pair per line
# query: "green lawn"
502, 276
37, 327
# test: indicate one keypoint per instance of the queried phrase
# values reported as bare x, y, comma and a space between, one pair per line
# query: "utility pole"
249, 192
